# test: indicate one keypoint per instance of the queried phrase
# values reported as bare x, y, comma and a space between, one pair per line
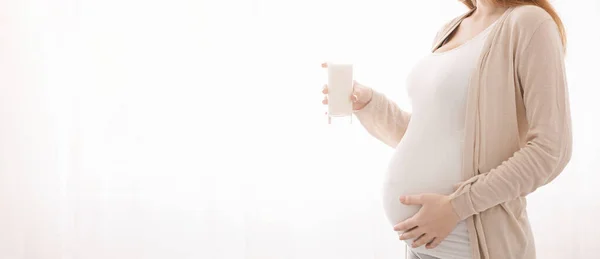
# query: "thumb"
412, 199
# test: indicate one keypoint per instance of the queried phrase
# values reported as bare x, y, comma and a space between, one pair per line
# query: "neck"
486, 8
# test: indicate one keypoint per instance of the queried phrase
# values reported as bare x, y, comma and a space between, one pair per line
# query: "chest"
465, 31
442, 79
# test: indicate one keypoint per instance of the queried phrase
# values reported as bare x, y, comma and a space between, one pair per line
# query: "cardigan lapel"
470, 165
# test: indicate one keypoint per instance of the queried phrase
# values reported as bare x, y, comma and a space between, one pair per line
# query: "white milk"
340, 85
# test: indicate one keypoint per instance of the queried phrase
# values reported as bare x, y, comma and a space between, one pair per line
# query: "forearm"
531, 167
383, 119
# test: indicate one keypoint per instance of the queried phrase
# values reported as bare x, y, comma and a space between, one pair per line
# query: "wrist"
364, 97
369, 96
448, 203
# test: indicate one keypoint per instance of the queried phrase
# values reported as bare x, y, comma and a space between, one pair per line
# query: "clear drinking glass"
340, 85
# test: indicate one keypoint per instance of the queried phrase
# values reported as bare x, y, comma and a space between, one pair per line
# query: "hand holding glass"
343, 95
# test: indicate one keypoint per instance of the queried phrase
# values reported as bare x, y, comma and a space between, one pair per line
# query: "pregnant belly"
419, 169
395, 211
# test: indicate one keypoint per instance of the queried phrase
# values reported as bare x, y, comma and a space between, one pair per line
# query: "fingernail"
414, 245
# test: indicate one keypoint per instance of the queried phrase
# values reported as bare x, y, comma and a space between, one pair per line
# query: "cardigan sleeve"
383, 119
541, 72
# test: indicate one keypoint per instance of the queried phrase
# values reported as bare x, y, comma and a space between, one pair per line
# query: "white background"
194, 129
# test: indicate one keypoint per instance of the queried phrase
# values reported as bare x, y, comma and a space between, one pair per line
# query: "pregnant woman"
490, 123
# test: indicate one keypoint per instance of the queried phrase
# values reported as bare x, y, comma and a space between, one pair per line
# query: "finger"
325, 89
412, 199
434, 243
324, 65
406, 225
422, 240
325, 100
412, 233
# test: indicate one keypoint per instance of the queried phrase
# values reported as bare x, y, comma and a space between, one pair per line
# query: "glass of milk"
340, 86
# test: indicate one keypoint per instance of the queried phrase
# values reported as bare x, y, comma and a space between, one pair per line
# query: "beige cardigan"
517, 129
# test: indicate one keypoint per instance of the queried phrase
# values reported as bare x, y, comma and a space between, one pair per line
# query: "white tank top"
428, 159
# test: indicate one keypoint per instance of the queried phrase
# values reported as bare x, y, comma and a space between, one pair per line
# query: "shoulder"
530, 13
523, 23
527, 18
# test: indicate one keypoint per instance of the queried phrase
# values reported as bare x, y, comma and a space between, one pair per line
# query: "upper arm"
541, 74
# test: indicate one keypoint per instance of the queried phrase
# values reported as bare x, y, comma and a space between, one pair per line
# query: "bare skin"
483, 17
